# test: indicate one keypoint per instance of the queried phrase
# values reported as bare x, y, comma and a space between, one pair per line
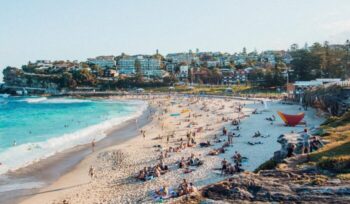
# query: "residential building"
126, 65
184, 71
170, 67
149, 66
186, 58
213, 63
103, 61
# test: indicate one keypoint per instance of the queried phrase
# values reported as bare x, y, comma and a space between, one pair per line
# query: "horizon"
81, 29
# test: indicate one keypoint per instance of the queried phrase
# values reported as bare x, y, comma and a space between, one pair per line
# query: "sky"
78, 29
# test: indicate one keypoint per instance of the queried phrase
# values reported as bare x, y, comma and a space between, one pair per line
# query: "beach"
172, 117
27, 180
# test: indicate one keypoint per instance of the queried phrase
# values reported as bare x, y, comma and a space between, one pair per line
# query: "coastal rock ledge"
271, 186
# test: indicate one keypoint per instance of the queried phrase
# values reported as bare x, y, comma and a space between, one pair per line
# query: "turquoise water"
35, 128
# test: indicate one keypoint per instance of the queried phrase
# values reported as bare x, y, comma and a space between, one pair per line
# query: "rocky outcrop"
331, 99
276, 186
286, 140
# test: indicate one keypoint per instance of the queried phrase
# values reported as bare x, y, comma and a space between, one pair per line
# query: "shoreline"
50, 169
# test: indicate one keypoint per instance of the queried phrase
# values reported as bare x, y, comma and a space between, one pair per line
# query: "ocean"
34, 128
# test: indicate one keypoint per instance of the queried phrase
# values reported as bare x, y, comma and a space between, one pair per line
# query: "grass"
344, 176
269, 164
242, 90
335, 156
337, 121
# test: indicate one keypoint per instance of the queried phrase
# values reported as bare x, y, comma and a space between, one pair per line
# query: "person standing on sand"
230, 138
93, 145
91, 172
224, 131
143, 132
137, 126
224, 166
306, 142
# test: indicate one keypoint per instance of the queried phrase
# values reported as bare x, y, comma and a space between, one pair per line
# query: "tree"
294, 47
84, 77
278, 79
13, 75
97, 70
67, 81
170, 80
303, 64
216, 76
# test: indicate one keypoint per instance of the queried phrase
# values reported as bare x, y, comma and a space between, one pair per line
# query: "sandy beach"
115, 167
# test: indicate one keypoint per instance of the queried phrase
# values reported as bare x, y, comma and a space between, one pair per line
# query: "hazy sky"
77, 29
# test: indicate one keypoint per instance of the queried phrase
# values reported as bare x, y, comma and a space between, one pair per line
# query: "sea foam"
54, 100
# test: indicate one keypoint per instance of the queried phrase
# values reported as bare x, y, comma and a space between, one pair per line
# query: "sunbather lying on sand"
205, 144
255, 143
216, 151
257, 134
149, 173
194, 161
163, 191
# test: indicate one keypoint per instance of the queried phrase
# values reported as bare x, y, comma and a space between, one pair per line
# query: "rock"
241, 194
334, 181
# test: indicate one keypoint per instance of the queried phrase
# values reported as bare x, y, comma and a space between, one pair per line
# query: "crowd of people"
218, 143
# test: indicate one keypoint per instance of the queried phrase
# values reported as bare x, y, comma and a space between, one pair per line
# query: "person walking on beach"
230, 138
91, 172
224, 131
224, 166
188, 135
93, 145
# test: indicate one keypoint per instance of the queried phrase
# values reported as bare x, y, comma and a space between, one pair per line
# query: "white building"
184, 71
103, 61
187, 58
149, 66
127, 66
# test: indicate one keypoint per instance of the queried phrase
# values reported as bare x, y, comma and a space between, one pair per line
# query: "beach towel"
185, 110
